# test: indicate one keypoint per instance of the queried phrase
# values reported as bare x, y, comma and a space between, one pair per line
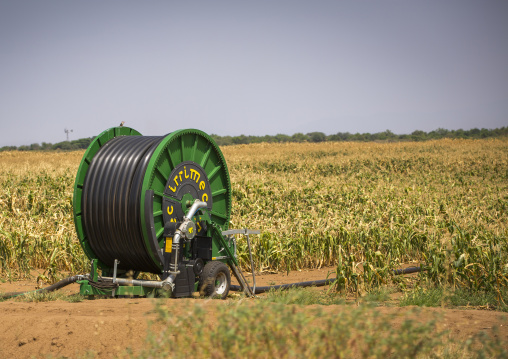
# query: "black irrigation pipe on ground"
57, 285
317, 283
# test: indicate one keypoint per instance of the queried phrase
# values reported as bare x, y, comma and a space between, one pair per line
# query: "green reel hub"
129, 186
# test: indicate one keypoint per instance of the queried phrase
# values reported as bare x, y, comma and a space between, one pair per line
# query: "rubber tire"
213, 272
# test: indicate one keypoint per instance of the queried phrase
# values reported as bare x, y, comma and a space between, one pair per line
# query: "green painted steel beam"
88, 290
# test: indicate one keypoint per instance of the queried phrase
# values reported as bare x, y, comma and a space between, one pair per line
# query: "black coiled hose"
111, 202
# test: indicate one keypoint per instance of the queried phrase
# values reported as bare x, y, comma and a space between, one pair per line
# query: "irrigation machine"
157, 205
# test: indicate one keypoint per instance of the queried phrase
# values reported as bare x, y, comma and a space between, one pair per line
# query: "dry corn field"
363, 208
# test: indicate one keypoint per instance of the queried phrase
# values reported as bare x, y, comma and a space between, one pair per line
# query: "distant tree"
484, 133
299, 137
282, 138
459, 133
356, 137
8, 148
474, 132
317, 136
503, 131
242, 139
265, 138
439, 133
418, 135
82, 143
64, 146
384, 136
340, 136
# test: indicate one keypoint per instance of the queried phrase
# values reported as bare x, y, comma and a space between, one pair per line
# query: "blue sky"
250, 67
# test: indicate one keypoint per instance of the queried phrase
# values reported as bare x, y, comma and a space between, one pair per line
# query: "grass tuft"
40, 296
423, 297
303, 296
459, 297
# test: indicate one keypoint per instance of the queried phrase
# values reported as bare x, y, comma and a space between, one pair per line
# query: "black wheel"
215, 280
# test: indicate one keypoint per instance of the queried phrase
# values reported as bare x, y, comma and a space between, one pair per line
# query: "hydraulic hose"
51, 288
408, 270
317, 283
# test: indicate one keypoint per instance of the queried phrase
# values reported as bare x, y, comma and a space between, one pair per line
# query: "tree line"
386, 136
82, 143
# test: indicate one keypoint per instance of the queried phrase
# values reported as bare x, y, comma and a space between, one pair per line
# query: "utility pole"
67, 133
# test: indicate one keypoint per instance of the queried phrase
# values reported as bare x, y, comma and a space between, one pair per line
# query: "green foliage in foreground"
272, 330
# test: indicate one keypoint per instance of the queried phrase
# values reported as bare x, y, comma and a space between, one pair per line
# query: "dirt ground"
109, 326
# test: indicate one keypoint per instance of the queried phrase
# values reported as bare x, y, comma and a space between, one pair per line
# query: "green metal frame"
87, 289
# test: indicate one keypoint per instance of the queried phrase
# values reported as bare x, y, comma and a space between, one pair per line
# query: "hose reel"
129, 187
